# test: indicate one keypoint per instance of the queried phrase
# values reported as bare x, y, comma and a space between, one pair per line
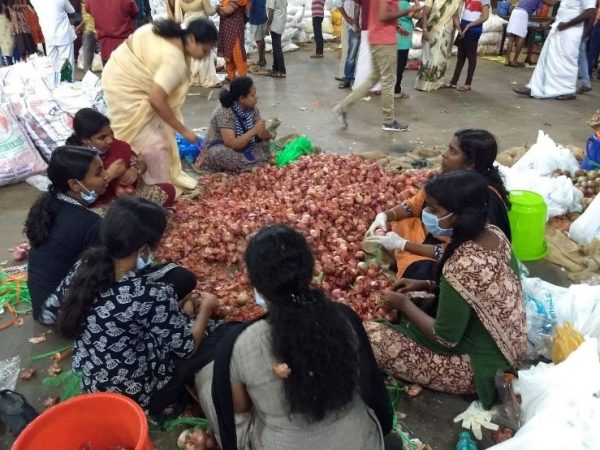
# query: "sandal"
583, 89
316, 56
566, 97
448, 86
401, 95
344, 85
523, 91
465, 88
15, 411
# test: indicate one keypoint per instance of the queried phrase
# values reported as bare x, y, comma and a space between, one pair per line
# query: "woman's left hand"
394, 300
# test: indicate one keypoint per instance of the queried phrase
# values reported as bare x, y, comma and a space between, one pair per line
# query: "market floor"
303, 102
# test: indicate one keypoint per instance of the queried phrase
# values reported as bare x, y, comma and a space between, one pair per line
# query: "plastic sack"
539, 298
545, 156
300, 146
18, 157
587, 226
9, 372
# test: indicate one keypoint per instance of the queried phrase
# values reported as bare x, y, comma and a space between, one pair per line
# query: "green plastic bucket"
528, 225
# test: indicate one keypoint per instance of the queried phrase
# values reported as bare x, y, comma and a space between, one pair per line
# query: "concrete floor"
303, 102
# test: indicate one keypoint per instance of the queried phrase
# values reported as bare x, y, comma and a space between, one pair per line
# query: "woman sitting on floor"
417, 249
124, 315
479, 328
304, 375
123, 167
60, 225
237, 138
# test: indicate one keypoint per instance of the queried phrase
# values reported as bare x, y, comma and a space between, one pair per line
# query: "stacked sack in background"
36, 115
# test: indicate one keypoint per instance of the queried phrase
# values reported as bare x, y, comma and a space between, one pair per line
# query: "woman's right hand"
116, 170
190, 136
380, 223
207, 302
259, 127
408, 285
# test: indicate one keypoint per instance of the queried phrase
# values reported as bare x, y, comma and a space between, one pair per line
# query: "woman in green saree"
479, 328
438, 30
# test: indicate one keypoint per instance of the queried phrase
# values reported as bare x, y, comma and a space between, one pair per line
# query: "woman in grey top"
304, 375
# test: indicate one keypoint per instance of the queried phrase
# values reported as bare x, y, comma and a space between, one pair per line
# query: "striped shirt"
318, 8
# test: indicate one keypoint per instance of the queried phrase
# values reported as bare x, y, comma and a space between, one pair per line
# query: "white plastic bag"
540, 298
587, 226
550, 386
580, 306
545, 156
559, 193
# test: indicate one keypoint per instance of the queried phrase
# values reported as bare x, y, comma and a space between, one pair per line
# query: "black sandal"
15, 411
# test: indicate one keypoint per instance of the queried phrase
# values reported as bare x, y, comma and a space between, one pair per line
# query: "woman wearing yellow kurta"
204, 72
145, 82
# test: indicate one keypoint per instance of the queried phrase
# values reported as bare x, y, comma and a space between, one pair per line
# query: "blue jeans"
594, 48
584, 71
351, 54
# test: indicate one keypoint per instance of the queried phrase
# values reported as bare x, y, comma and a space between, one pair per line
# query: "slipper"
15, 411
523, 91
464, 88
401, 95
519, 64
316, 56
448, 86
583, 89
566, 97
339, 79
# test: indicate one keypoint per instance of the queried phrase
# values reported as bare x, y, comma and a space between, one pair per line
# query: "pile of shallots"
331, 199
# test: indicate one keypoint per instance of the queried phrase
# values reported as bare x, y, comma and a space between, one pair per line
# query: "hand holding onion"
207, 302
380, 223
394, 300
407, 285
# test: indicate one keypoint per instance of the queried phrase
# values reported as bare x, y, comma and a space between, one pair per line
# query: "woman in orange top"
417, 250
231, 37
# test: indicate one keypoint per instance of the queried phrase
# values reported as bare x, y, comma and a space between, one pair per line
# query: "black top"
498, 213
74, 230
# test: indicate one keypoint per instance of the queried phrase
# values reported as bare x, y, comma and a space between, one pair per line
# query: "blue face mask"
142, 263
432, 224
88, 197
260, 300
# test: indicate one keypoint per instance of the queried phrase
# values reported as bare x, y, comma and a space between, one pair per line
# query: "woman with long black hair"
479, 328
124, 313
303, 376
60, 225
415, 248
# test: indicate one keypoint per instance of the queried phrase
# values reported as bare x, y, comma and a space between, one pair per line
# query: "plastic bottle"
465, 442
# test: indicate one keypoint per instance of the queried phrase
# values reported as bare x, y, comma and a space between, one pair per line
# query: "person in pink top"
114, 22
382, 26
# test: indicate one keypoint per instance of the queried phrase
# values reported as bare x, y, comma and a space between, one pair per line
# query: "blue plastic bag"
189, 152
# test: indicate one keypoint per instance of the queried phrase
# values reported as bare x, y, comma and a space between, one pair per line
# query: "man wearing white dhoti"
555, 75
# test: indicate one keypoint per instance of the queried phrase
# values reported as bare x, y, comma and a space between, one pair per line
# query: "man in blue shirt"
258, 28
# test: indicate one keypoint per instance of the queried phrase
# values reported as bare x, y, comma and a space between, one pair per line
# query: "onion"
330, 199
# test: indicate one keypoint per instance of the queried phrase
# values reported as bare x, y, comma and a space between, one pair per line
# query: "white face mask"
260, 300
142, 263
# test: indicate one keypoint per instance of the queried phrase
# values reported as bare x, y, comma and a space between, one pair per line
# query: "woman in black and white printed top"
130, 333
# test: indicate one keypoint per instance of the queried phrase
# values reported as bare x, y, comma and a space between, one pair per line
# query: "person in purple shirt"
517, 27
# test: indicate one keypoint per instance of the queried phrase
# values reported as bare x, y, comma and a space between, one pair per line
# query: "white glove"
476, 417
379, 222
391, 241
